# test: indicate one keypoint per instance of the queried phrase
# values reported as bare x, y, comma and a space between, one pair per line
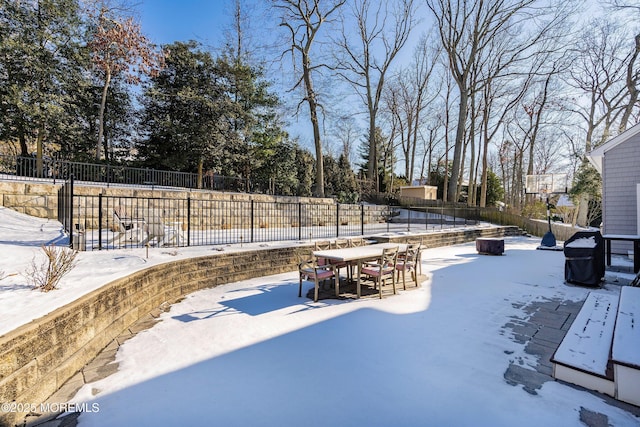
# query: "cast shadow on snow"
312, 370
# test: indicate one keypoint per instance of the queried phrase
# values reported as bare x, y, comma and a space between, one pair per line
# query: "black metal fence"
107, 222
17, 167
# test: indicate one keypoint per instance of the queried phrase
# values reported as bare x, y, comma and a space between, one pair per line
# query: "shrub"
46, 275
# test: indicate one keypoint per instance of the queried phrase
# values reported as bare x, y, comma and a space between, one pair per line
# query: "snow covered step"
583, 355
625, 352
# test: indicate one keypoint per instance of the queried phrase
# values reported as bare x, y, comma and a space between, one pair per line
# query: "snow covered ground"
253, 353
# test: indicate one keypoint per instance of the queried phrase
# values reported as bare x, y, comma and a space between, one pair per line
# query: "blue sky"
166, 21
206, 21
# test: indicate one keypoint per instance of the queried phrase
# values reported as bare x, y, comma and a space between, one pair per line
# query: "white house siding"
621, 170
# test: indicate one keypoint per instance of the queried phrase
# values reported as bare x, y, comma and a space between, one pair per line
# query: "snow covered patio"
461, 350
470, 347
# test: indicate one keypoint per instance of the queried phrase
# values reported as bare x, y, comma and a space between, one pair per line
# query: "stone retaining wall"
448, 238
210, 210
35, 199
40, 199
38, 358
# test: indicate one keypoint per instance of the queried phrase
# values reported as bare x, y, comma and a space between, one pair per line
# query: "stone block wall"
38, 358
210, 210
447, 238
35, 199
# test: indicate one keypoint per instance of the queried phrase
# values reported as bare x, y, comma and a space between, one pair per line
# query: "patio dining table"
358, 255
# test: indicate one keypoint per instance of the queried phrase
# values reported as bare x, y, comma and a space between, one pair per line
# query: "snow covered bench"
583, 355
625, 353
601, 349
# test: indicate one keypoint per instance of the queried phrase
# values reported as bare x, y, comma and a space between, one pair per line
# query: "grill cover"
584, 258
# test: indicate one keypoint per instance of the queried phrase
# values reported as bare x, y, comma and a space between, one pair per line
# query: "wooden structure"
423, 192
600, 350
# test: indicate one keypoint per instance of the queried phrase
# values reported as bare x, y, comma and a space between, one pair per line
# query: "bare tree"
598, 73
430, 135
383, 29
632, 78
407, 97
469, 31
603, 77
346, 130
118, 47
303, 20
492, 116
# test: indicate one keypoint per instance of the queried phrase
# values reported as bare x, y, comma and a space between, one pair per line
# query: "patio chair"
322, 245
339, 244
383, 267
417, 241
163, 232
312, 271
128, 228
155, 230
356, 242
407, 261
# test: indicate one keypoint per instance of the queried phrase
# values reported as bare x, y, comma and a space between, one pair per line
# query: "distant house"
422, 192
618, 162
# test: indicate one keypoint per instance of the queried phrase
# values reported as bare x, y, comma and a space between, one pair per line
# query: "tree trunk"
583, 210
103, 103
631, 86
452, 192
200, 171
372, 173
24, 150
483, 185
313, 112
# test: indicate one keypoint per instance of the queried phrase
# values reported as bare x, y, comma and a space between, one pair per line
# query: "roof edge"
596, 155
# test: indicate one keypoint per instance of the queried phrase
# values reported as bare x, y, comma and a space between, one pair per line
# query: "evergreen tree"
330, 176
587, 185
385, 161
339, 179
39, 61
255, 127
305, 171
283, 171
495, 191
183, 122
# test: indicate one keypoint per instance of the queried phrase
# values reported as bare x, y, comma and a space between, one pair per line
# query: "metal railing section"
91, 222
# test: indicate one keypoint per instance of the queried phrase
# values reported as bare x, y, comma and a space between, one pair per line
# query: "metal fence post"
362, 219
299, 220
188, 220
100, 221
70, 204
337, 219
426, 218
252, 219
